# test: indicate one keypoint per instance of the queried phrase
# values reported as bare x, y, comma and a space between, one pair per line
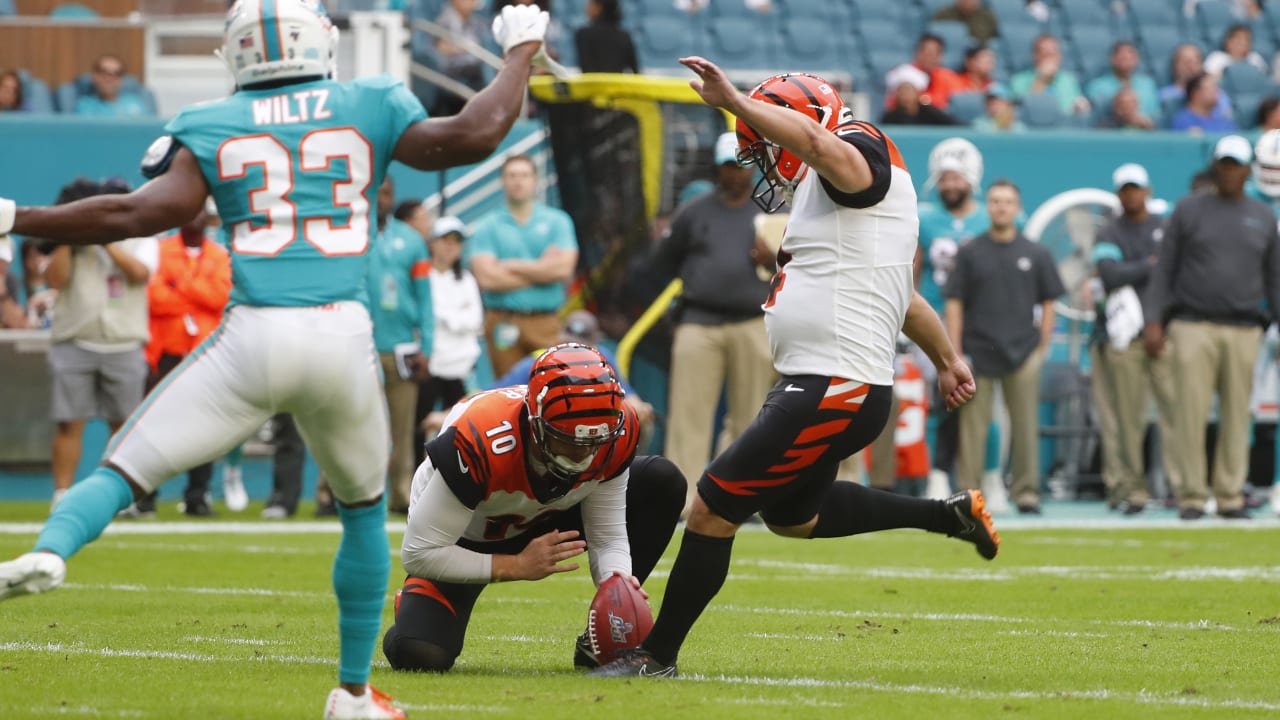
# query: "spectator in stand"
1216, 286
1000, 314
1047, 76
603, 44
99, 327
979, 64
522, 255
1124, 74
459, 325
185, 298
398, 281
416, 215
1185, 64
460, 18
10, 92
943, 81
979, 18
1001, 115
907, 82
1268, 117
1126, 113
40, 298
1237, 46
107, 100
1202, 113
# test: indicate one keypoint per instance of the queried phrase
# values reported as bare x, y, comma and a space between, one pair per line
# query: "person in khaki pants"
1124, 255
1000, 313
1219, 263
720, 341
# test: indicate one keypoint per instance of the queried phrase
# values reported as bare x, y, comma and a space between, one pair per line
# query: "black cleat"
973, 522
634, 662
583, 657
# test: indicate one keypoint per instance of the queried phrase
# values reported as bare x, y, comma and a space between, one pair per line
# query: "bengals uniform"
834, 311
480, 493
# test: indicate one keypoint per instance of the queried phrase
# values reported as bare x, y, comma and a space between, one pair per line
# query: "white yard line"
84, 710
967, 617
1140, 698
1102, 695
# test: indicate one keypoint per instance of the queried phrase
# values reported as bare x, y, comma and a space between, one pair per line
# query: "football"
619, 618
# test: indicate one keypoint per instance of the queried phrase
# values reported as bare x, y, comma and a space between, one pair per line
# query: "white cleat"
35, 572
994, 491
233, 493
939, 485
373, 705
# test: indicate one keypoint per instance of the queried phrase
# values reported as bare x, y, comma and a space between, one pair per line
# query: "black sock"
850, 509
701, 567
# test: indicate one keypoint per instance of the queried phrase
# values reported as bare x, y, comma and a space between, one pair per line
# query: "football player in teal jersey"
955, 170
1265, 186
293, 160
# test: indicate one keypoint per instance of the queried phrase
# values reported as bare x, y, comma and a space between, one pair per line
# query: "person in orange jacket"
186, 296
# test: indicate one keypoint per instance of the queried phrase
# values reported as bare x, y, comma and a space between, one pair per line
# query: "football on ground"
619, 618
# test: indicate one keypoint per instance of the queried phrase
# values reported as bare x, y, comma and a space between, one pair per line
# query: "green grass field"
225, 620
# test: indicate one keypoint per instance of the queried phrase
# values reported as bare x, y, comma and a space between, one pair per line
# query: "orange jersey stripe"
420, 269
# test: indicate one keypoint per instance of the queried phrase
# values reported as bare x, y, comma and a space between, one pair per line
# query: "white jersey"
844, 277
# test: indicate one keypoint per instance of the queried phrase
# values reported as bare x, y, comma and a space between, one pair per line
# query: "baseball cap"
1233, 147
727, 149
906, 73
581, 326
449, 224
1130, 174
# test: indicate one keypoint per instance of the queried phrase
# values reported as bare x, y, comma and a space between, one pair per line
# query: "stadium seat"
1041, 111
887, 36
880, 62
1085, 17
1018, 42
6, 7
956, 37
35, 93
67, 94
1092, 52
1244, 107
662, 39
1243, 77
1157, 46
966, 107
834, 12
73, 11
1008, 11
808, 45
640, 10
1213, 18
903, 14
736, 42
929, 7
1152, 13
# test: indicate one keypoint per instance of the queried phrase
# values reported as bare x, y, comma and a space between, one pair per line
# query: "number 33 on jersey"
294, 171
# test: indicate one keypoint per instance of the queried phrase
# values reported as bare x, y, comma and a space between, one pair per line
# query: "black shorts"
783, 463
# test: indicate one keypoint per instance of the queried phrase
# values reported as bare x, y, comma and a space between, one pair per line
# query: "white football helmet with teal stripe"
271, 40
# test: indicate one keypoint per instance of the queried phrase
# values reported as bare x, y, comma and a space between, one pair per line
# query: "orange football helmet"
574, 402
782, 170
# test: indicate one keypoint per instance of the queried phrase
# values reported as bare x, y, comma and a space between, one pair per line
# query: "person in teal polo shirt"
107, 100
522, 254
399, 286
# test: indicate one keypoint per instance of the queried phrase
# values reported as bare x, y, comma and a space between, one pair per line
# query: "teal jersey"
941, 235
399, 282
1251, 189
295, 171
498, 234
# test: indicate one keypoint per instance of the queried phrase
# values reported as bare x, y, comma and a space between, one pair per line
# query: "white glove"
518, 24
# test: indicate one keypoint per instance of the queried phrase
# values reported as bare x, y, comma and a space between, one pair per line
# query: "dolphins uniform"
941, 235
294, 172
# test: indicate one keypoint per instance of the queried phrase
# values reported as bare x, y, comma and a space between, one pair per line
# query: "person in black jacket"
603, 45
